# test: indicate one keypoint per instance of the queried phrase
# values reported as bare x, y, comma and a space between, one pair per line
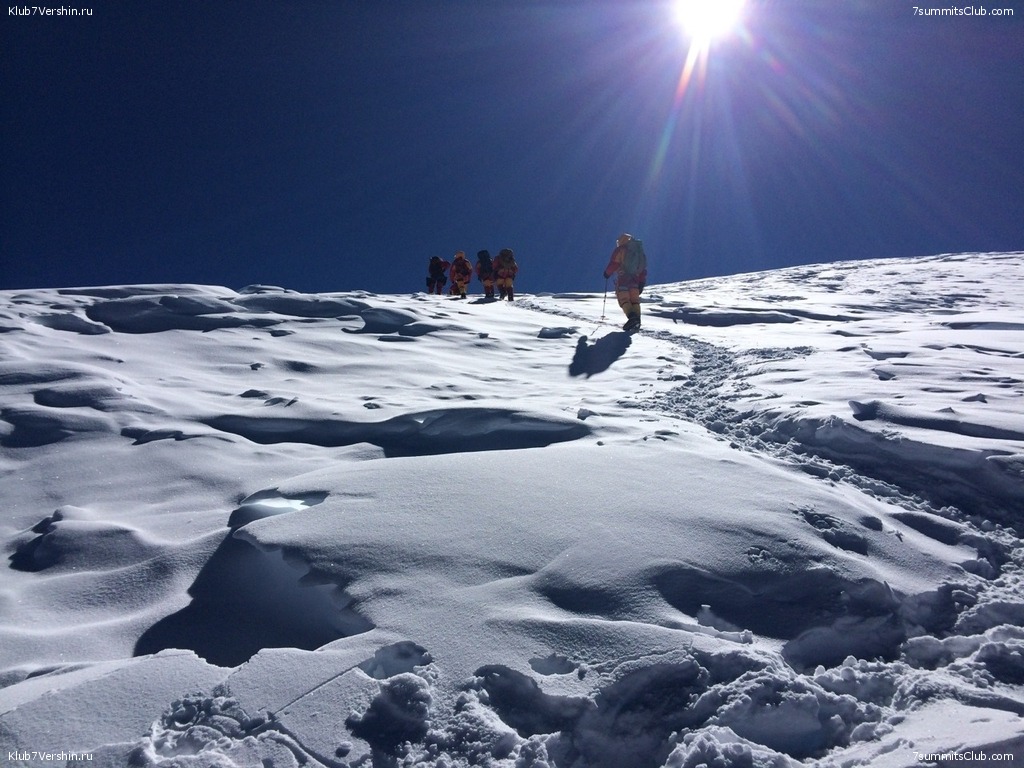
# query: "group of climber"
628, 264
498, 272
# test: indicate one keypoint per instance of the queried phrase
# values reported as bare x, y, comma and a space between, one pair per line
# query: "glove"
641, 288
606, 275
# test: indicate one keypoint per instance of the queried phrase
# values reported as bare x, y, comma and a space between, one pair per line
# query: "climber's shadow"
599, 356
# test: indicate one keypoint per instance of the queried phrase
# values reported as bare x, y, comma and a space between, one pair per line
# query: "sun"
704, 21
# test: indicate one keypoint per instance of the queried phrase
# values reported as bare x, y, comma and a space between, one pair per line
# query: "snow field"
779, 526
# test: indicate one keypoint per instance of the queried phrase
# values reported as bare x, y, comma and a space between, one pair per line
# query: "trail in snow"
715, 392
709, 396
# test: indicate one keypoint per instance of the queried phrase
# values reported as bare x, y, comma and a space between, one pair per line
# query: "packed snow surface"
780, 525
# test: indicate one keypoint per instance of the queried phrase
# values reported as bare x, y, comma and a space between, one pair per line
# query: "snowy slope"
782, 524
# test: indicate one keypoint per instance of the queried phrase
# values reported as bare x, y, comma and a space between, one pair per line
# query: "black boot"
510, 297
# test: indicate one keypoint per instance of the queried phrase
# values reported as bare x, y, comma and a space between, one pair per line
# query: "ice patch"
268, 503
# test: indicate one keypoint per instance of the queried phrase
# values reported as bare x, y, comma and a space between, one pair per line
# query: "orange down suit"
627, 287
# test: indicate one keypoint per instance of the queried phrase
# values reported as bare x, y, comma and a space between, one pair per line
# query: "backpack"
634, 261
486, 267
505, 264
437, 268
461, 268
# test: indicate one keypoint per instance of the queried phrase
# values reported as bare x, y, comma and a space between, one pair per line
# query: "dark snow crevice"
440, 431
245, 599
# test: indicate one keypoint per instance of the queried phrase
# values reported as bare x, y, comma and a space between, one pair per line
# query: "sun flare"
704, 21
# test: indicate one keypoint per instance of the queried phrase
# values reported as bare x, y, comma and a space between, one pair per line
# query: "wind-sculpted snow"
415, 434
153, 314
779, 526
905, 417
302, 305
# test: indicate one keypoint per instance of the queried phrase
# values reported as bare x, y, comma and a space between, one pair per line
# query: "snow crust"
780, 526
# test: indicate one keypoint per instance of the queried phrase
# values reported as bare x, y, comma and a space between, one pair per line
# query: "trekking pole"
604, 303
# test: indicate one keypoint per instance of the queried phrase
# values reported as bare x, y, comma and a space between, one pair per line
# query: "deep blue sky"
329, 145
